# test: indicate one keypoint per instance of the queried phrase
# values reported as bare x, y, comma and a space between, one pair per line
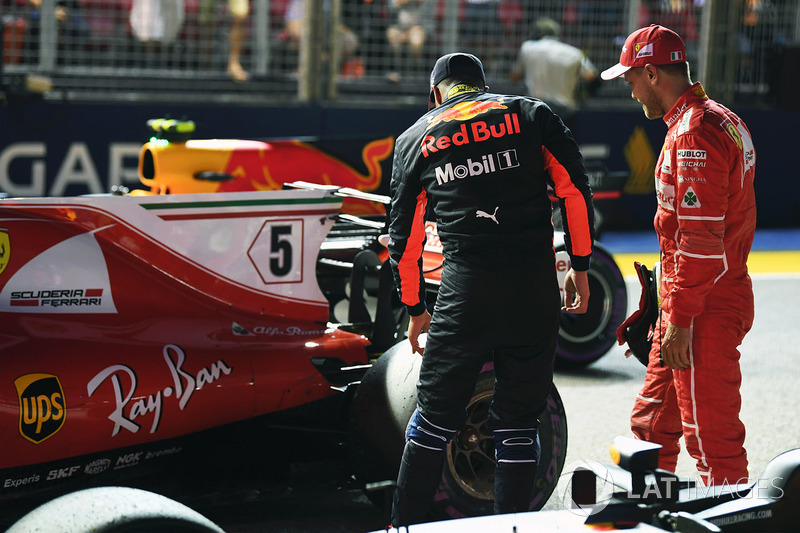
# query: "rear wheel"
583, 339
385, 401
467, 487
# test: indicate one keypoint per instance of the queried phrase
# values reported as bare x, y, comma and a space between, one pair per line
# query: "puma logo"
484, 214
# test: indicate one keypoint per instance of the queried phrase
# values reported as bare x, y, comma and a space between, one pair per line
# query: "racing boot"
517, 451
417, 481
513, 487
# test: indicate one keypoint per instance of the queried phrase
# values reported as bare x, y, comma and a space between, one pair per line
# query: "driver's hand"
417, 325
576, 292
675, 347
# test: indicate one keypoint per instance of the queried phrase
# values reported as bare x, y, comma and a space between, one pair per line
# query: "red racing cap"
654, 44
456, 64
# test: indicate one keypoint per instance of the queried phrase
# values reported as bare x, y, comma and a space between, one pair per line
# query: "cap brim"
614, 72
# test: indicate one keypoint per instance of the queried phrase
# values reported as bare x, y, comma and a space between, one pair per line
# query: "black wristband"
416, 310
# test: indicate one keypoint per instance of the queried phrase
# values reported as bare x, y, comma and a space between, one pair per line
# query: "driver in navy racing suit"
481, 164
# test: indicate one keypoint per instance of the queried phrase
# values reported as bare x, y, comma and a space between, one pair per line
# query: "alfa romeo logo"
690, 198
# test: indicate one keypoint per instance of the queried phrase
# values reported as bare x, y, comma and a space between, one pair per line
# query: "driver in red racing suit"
482, 163
705, 224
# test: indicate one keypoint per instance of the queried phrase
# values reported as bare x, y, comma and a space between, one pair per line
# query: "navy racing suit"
480, 165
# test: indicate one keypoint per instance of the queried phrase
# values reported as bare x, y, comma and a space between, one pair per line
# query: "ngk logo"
130, 459
42, 408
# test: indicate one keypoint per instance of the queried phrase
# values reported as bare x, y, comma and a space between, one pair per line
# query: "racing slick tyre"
114, 510
583, 339
381, 408
467, 486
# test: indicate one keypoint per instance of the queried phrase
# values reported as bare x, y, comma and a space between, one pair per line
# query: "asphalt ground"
598, 399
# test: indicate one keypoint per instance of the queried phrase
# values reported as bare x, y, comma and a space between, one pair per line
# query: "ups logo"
42, 407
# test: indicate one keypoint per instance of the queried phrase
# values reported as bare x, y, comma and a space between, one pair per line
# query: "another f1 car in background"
174, 163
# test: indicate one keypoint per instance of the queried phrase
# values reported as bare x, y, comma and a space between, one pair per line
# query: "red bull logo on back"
477, 131
465, 111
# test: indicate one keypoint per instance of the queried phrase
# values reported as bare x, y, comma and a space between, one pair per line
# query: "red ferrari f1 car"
146, 336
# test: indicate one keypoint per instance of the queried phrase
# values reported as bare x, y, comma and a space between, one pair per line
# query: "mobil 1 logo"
484, 164
507, 159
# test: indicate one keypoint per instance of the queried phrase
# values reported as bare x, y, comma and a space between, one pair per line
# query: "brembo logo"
477, 131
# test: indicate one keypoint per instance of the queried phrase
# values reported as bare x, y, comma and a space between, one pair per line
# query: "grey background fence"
353, 51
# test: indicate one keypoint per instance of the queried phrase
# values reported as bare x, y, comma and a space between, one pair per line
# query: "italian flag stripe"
240, 203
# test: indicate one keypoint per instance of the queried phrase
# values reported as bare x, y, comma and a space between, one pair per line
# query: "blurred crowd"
390, 39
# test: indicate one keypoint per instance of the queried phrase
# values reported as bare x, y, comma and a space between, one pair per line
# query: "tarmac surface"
598, 400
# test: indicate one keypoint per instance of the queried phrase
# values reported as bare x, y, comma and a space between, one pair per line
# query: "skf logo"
42, 408
465, 111
5, 249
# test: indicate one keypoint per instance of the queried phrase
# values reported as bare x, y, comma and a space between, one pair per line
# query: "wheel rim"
470, 455
577, 328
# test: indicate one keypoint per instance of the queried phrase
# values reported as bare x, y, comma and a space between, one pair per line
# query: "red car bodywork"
132, 319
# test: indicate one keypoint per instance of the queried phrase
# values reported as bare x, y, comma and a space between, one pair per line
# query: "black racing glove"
637, 330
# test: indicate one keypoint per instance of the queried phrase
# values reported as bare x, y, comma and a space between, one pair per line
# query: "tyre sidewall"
451, 501
604, 272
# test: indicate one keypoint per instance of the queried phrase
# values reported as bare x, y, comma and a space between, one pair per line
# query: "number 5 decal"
280, 258
277, 252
